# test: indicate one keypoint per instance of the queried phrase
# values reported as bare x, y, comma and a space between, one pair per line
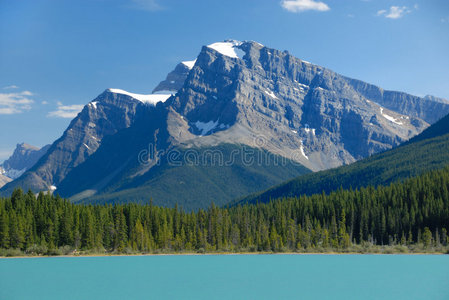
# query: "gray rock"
4, 180
175, 79
102, 117
291, 105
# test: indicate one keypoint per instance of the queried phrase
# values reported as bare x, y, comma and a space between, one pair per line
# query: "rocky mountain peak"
22, 159
175, 79
248, 90
238, 94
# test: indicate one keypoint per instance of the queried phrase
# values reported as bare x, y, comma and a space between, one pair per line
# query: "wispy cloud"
394, 12
148, 5
66, 111
298, 6
10, 87
14, 103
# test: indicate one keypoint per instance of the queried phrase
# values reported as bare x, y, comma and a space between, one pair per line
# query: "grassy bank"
353, 249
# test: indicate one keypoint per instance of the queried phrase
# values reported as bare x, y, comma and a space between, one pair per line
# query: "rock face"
23, 158
238, 94
4, 180
294, 108
104, 116
384, 168
175, 79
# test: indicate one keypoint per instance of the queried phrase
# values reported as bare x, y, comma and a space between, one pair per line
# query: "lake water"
227, 277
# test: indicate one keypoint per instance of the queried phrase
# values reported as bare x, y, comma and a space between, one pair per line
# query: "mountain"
104, 116
4, 180
23, 158
425, 152
175, 79
239, 118
438, 129
189, 177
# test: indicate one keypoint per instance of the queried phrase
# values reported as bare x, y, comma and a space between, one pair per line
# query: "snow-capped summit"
148, 98
229, 48
189, 64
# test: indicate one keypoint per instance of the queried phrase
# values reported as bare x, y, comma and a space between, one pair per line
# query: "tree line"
415, 211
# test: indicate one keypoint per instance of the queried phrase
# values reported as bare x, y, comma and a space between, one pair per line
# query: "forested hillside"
413, 215
428, 151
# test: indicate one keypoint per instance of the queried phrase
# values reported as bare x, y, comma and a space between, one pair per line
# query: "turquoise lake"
227, 277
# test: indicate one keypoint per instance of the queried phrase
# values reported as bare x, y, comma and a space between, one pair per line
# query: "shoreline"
218, 254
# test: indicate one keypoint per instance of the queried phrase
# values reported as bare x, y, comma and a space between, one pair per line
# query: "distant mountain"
23, 158
237, 100
436, 99
427, 151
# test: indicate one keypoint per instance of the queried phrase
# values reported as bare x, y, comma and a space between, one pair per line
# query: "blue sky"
56, 56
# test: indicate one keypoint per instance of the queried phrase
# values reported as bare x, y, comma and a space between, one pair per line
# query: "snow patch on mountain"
389, 118
13, 173
302, 86
94, 104
164, 92
189, 63
308, 130
149, 98
301, 148
207, 127
271, 94
228, 48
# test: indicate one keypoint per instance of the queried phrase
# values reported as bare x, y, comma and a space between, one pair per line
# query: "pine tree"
4, 230
427, 237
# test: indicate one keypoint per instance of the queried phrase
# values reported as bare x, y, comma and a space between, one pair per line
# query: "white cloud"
148, 5
394, 12
298, 6
9, 87
44, 102
14, 103
66, 111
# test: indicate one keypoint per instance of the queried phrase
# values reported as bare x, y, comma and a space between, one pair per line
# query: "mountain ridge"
238, 93
424, 152
22, 159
